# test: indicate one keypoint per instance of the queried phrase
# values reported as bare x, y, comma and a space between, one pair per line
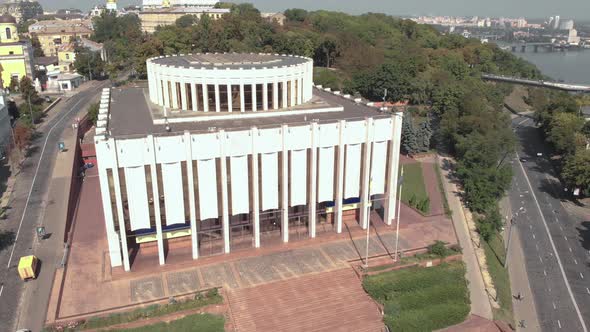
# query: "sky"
577, 9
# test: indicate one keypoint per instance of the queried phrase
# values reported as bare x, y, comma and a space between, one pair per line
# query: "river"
569, 66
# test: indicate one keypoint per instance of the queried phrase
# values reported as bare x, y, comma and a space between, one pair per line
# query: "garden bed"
421, 299
155, 310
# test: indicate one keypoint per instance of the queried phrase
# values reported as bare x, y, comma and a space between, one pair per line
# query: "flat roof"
132, 114
229, 60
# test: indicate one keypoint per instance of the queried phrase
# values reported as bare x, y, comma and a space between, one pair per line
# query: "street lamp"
512, 223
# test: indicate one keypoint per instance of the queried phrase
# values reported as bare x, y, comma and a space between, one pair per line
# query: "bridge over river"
579, 88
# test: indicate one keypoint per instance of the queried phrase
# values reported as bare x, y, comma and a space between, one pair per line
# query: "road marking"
545, 272
570, 249
567, 284
554, 307
560, 228
2, 288
534, 236
565, 237
530, 226
537, 246
559, 323
575, 261
587, 290
35, 177
541, 259
581, 275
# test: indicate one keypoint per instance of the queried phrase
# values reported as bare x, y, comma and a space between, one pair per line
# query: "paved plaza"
90, 287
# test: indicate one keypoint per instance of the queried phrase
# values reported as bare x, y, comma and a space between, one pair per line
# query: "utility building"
224, 152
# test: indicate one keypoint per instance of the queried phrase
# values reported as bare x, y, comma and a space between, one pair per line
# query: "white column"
174, 96
366, 175
293, 100
229, 98
183, 99
299, 90
158, 87
265, 96
275, 96
285, 186
284, 103
191, 194
156, 195
112, 237
194, 98
313, 174
255, 190
217, 99
224, 199
167, 94
119, 202
205, 98
253, 97
340, 177
393, 169
242, 99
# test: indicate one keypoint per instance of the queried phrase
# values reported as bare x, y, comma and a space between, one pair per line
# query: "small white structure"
69, 82
227, 151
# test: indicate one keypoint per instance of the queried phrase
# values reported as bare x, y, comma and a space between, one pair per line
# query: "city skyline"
576, 9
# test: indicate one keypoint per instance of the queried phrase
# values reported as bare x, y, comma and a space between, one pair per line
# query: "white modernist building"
227, 151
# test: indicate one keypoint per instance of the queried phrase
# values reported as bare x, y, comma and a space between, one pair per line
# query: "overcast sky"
579, 9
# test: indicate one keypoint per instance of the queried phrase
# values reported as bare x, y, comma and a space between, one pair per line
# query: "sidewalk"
36, 295
519, 280
480, 304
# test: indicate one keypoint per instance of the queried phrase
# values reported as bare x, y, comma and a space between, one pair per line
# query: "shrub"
438, 248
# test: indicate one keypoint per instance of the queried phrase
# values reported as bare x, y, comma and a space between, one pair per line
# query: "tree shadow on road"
584, 233
6, 239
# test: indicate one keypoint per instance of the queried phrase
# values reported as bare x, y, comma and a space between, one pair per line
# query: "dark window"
8, 33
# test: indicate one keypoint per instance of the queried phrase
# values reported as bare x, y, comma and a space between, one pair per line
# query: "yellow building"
152, 18
66, 55
53, 34
16, 56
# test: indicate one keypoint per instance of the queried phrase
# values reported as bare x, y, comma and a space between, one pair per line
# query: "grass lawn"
421, 299
414, 190
199, 322
155, 310
495, 255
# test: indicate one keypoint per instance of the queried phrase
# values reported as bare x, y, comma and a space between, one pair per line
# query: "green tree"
296, 14
576, 171
37, 49
186, 21
28, 92
89, 63
93, 112
409, 139
562, 132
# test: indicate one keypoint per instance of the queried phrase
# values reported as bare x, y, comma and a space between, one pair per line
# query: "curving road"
27, 205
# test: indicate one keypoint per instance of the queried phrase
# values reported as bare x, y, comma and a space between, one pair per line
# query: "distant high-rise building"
566, 25
556, 22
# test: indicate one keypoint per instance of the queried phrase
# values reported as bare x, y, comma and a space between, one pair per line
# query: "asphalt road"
27, 206
555, 244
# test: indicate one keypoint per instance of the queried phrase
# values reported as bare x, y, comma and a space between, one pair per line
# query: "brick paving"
91, 286
332, 301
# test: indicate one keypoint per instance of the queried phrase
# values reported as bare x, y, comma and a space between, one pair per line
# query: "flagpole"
399, 207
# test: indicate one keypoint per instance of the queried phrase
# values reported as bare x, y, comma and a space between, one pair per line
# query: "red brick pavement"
332, 301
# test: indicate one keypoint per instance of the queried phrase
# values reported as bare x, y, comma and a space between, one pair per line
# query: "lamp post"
512, 223
399, 207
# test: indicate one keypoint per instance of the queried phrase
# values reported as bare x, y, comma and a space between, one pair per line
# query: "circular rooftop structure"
230, 82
